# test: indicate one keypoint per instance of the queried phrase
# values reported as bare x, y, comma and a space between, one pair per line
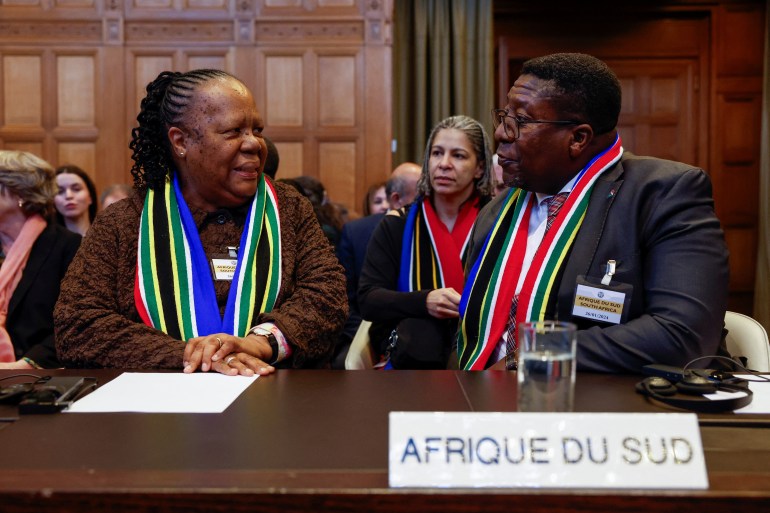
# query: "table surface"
318, 441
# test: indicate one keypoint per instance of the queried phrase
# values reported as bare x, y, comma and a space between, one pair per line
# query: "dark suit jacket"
30, 312
656, 219
352, 253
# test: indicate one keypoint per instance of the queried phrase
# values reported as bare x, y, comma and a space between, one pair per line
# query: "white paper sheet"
201, 392
761, 400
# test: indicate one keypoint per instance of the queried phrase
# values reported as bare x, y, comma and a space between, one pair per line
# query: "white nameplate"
598, 304
546, 450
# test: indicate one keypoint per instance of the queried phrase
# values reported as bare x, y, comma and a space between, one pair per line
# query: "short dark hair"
589, 87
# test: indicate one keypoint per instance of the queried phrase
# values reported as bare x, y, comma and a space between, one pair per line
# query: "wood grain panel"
740, 123
74, 3
284, 105
80, 154
292, 158
76, 90
743, 250
146, 69
39, 31
337, 90
151, 4
22, 90
207, 4
32, 147
336, 3
739, 40
26, 3
207, 61
336, 170
659, 110
283, 3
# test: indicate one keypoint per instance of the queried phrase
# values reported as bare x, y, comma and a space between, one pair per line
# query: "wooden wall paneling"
338, 103
75, 131
377, 96
76, 90
738, 48
337, 162
283, 85
113, 158
95, 59
660, 109
207, 60
81, 154
21, 86
23, 90
338, 90
179, 10
301, 8
292, 158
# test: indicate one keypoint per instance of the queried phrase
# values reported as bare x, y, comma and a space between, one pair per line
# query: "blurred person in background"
36, 253
76, 199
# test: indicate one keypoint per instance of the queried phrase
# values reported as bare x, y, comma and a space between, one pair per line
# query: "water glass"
546, 366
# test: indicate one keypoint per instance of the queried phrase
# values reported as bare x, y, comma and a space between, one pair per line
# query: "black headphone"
688, 393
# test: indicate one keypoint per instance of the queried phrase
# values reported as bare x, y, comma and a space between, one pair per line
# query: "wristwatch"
257, 330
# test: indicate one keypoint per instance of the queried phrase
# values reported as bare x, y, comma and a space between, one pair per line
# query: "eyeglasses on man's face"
512, 124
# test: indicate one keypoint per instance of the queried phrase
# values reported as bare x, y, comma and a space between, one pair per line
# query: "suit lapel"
37, 258
584, 248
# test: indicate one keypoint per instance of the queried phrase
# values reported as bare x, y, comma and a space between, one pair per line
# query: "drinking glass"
546, 366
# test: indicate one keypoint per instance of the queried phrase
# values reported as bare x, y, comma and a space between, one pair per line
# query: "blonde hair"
30, 178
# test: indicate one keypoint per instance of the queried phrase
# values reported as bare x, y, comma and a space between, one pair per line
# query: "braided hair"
168, 98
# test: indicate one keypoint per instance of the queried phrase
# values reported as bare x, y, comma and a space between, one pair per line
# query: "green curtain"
442, 66
762, 284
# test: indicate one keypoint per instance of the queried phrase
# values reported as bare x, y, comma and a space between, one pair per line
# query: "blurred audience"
328, 214
272, 160
376, 200
113, 193
402, 187
500, 186
36, 254
413, 273
76, 199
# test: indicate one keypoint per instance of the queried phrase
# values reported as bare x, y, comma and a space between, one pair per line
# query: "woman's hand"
228, 354
19, 364
443, 303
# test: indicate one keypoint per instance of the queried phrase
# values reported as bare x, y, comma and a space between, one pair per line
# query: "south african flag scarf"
431, 255
493, 279
174, 288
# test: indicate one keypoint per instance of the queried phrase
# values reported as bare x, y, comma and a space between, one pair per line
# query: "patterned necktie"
554, 205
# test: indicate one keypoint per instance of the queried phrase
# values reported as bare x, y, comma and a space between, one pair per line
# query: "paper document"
761, 401
201, 392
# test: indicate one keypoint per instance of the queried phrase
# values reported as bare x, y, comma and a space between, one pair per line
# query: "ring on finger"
220, 342
229, 359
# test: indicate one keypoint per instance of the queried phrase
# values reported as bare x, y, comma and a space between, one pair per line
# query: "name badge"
598, 304
546, 450
224, 268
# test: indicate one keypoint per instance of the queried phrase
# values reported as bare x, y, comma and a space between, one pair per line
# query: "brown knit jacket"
96, 321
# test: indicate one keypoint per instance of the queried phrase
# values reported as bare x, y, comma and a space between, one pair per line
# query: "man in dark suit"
634, 256
401, 190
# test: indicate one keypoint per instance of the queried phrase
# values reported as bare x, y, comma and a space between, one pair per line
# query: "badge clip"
609, 272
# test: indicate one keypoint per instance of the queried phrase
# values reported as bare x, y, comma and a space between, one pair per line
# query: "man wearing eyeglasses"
626, 247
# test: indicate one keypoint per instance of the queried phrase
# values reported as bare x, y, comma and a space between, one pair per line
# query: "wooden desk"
317, 441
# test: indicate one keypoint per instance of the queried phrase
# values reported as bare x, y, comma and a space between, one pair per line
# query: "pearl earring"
21, 203
181, 154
